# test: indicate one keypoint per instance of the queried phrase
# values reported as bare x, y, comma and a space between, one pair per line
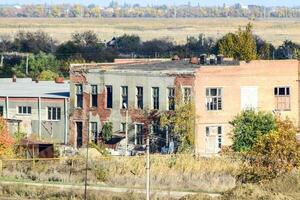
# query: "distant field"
273, 30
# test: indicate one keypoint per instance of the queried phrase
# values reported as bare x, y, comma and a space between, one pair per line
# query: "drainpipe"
40, 117
66, 120
6, 107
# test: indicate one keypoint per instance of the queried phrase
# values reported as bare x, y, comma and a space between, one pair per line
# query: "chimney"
59, 80
14, 78
194, 60
220, 59
203, 59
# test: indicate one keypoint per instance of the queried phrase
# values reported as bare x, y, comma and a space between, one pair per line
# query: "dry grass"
182, 172
273, 30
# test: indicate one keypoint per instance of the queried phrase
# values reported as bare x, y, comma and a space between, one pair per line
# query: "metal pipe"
6, 107
40, 117
86, 164
66, 120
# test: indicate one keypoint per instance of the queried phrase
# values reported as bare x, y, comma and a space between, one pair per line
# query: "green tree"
107, 131
240, 46
274, 153
128, 43
47, 75
182, 122
34, 42
37, 64
248, 126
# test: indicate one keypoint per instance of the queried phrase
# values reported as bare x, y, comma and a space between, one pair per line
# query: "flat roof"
25, 87
141, 66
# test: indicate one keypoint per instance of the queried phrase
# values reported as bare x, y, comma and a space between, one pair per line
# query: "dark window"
282, 98
25, 110
139, 97
54, 113
123, 127
219, 137
139, 134
109, 96
124, 96
214, 98
155, 98
79, 138
79, 96
94, 131
171, 98
1, 110
94, 96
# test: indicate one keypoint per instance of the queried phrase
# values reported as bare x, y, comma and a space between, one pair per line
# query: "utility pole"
27, 57
148, 165
86, 164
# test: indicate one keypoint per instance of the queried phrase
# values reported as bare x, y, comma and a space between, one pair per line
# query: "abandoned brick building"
103, 93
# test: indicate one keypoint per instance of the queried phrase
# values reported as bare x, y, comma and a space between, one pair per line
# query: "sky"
158, 2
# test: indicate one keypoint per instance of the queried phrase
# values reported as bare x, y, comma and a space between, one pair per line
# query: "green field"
272, 30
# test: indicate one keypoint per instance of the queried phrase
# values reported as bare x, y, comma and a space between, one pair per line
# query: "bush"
273, 154
247, 126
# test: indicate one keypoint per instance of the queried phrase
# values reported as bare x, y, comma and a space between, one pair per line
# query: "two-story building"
220, 89
103, 93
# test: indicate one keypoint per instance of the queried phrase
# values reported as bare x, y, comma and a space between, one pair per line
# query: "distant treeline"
126, 10
47, 58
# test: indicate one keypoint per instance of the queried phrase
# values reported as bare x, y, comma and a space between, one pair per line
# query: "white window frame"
277, 96
218, 136
152, 97
183, 93
92, 93
54, 107
217, 96
167, 97
22, 108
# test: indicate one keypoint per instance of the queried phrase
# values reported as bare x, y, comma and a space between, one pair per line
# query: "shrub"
274, 153
6, 141
247, 126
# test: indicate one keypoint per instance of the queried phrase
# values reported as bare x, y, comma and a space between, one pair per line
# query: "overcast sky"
169, 2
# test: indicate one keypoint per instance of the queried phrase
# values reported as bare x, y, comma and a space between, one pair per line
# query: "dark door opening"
79, 134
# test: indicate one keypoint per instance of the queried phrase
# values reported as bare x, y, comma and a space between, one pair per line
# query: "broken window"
94, 131
139, 134
94, 94
109, 96
155, 98
187, 94
139, 97
1, 111
124, 96
54, 113
79, 96
171, 98
214, 98
282, 98
24, 110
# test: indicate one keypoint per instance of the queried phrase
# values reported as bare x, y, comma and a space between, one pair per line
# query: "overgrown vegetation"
6, 141
267, 143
